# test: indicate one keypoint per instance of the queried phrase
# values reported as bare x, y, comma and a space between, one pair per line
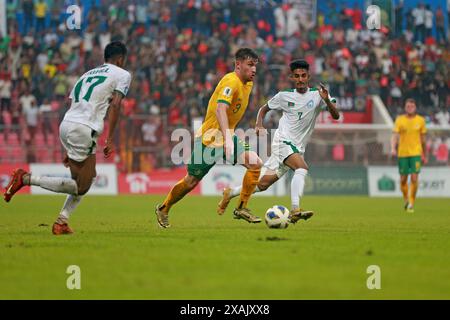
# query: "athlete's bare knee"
83, 187
263, 185
82, 191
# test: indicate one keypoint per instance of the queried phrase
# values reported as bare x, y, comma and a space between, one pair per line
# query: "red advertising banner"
159, 181
349, 116
5, 175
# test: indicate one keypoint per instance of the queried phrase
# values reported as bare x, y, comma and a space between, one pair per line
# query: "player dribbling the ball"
215, 140
300, 107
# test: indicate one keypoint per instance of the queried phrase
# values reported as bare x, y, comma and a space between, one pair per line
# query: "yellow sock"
176, 194
413, 191
404, 188
249, 183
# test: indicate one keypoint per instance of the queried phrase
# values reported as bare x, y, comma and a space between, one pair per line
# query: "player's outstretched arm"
114, 112
259, 127
331, 106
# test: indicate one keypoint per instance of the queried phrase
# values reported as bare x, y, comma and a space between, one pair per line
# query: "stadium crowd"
178, 50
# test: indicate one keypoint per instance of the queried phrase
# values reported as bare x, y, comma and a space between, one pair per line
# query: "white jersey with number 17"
300, 111
92, 93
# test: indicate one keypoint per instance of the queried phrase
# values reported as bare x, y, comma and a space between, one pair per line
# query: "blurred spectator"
11, 9
55, 12
419, 23
399, 18
440, 26
443, 118
45, 111
428, 21
178, 51
40, 11
287, 19
5, 92
150, 134
441, 151
396, 95
338, 152
30, 110
27, 8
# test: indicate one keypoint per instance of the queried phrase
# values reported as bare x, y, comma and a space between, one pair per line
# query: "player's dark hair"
114, 49
299, 64
410, 100
244, 53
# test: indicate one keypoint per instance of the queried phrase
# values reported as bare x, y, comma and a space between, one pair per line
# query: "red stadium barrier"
159, 181
350, 116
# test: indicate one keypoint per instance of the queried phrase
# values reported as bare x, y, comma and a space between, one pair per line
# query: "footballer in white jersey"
300, 107
91, 94
95, 92
300, 111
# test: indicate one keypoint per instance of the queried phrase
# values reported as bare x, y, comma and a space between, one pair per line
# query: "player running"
300, 107
96, 91
215, 140
409, 136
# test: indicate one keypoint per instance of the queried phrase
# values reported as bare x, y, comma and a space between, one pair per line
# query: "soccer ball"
277, 217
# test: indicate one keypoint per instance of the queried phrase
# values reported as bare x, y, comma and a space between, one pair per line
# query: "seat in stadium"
17, 154
3, 153
39, 139
57, 153
51, 141
7, 117
13, 139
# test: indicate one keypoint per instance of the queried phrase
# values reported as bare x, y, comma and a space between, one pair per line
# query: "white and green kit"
296, 125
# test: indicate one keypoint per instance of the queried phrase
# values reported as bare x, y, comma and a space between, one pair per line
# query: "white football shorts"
280, 151
79, 140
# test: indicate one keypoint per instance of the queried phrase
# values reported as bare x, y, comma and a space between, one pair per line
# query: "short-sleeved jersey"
233, 92
92, 93
410, 130
300, 111
40, 9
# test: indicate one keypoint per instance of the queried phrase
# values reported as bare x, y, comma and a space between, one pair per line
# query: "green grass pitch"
123, 254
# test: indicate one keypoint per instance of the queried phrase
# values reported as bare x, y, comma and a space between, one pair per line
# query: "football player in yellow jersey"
215, 140
409, 136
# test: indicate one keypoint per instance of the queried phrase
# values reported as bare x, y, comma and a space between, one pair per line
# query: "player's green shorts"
408, 165
203, 158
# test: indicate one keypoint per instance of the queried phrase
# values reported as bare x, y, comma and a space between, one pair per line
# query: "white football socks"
297, 186
55, 184
69, 206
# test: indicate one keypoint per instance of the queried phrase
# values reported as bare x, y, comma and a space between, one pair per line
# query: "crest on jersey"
227, 91
291, 104
310, 104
